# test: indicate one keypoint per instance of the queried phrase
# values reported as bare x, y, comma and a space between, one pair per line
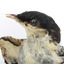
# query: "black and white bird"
43, 36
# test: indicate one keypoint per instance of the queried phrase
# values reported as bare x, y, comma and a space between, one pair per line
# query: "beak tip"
8, 15
11, 15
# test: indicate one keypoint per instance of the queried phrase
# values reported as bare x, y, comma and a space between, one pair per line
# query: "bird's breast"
36, 50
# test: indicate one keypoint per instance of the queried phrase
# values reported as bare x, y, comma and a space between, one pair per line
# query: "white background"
8, 27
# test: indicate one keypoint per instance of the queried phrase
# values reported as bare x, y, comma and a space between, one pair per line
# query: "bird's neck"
40, 36
37, 33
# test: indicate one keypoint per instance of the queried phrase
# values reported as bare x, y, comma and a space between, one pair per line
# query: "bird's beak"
13, 16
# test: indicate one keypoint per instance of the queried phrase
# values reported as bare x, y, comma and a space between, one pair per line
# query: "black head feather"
45, 22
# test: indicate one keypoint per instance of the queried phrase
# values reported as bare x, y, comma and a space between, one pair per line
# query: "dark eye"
33, 22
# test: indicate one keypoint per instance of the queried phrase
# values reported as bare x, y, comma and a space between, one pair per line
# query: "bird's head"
34, 21
27, 19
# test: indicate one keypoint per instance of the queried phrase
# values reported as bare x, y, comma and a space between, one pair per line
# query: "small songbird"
40, 47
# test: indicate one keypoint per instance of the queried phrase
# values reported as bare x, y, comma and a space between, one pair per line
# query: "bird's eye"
33, 22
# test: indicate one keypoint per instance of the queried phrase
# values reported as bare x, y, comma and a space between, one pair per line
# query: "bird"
43, 38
